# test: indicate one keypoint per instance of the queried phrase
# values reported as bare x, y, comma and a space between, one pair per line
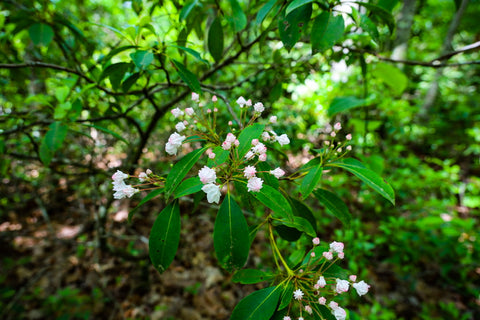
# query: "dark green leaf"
287, 296
259, 305
188, 186
299, 223
115, 72
187, 76
215, 39
164, 237
263, 12
368, 176
291, 26
326, 31
296, 4
245, 138
370, 27
180, 170
142, 58
310, 181
344, 103
191, 52
41, 34
148, 197
130, 81
187, 8
250, 276
56, 134
238, 16
274, 200
230, 235
381, 13
268, 178
334, 204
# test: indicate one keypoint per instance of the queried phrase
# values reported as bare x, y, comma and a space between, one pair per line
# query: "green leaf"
187, 76
395, 79
191, 52
221, 156
287, 296
266, 176
263, 12
130, 81
230, 235
61, 110
46, 155
250, 276
180, 170
164, 237
334, 204
368, 176
108, 131
299, 223
147, 198
116, 51
188, 186
296, 4
238, 16
310, 181
380, 13
291, 26
61, 93
274, 200
246, 136
215, 39
115, 72
55, 135
326, 31
344, 103
259, 305
370, 27
41, 34
142, 58
187, 9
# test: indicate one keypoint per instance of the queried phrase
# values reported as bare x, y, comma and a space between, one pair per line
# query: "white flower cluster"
122, 189
208, 176
338, 286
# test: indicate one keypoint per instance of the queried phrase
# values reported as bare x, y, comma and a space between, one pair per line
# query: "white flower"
315, 241
126, 191
176, 139
230, 138
180, 126
339, 313
260, 148
214, 99
262, 157
265, 136
249, 155
177, 112
241, 102
348, 136
148, 172
336, 246
322, 300
249, 103
189, 111
349, 148
298, 294
171, 148
142, 176
273, 119
337, 126
249, 172
254, 184
342, 286
321, 282
119, 176
207, 175
333, 305
255, 142
278, 173
287, 318
361, 287
195, 97
353, 278
258, 107
213, 192
283, 139
308, 309
226, 145
328, 255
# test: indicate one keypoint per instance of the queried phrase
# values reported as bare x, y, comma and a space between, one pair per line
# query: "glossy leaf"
230, 235
130, 81
187, 76
267, 178
292, 25
180, 170
334, 204
164, 237
115, 72
287, 296
245, 138
151, 195
263, 12
296, 4
187, 8
259, 305
310, 181
215, 39
274, 200
299, 223
238, 16
56, 135
326, 31
368, 176
142, 58
188, 186
250, 276
341, 104
41, 34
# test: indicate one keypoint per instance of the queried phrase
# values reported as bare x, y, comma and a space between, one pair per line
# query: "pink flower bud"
214, 99
316, 241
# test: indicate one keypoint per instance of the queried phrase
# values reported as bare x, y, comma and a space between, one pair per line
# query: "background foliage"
86, 87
